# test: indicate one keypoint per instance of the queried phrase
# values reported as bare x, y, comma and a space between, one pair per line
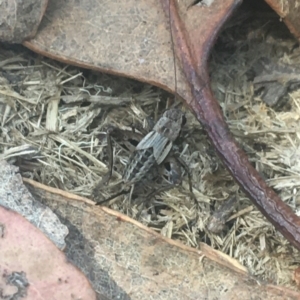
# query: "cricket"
151, 153
154, 147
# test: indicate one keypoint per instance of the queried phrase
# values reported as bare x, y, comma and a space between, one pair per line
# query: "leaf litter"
54, 117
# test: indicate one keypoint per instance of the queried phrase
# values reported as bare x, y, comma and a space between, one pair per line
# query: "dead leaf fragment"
20, 19
31, 267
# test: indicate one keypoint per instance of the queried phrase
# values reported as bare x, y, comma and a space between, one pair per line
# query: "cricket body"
154, 147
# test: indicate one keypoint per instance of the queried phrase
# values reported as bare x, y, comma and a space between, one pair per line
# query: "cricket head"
176, 116
170, 124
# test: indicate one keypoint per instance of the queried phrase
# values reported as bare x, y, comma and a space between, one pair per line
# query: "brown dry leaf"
20, 19
47, 276
126, 260
127, 38
31, 267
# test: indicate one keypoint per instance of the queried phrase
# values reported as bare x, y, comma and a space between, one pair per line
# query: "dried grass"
53, 120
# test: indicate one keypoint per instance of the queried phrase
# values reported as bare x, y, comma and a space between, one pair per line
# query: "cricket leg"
116, 133
175, 163
183, 164
130, 195
149, 199
174, 177
110, 153
106, 178
122, 192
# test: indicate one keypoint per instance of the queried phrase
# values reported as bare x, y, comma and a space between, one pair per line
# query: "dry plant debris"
53, 120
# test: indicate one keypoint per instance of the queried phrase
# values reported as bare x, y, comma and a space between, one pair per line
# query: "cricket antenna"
206, 82
174, 56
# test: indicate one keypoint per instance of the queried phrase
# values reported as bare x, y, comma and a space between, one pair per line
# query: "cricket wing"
161, 152
160, 144
148, 141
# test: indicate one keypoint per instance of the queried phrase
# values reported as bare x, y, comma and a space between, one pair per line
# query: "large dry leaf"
128, 38
126, 260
